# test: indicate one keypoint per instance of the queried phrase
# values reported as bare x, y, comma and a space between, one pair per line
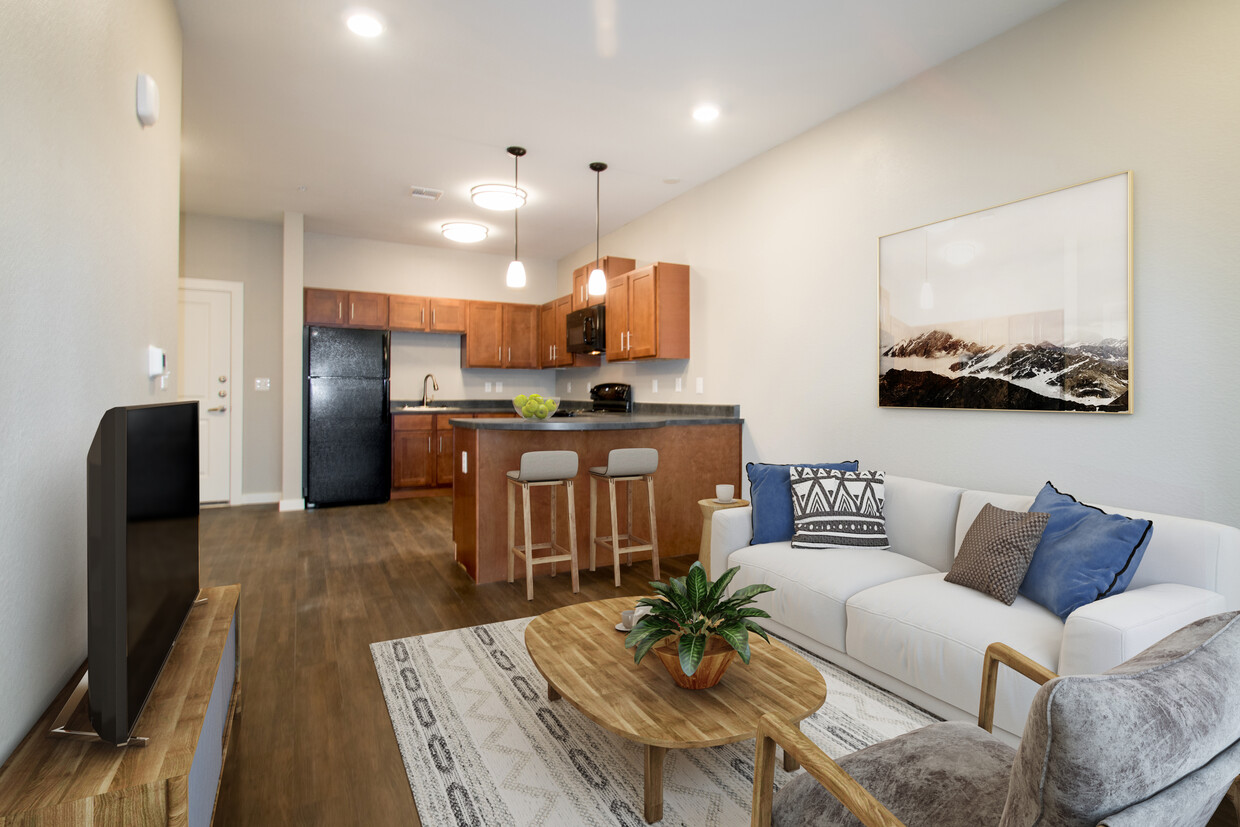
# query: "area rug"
483, 746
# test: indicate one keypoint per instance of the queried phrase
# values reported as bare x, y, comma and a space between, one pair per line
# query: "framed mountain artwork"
1022, 307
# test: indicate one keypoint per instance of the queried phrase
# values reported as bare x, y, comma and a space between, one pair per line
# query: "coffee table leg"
552, 695
654, 783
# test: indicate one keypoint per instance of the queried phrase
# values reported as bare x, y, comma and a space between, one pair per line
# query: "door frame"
236, 433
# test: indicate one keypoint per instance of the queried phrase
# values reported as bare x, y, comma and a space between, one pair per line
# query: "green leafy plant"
690, 610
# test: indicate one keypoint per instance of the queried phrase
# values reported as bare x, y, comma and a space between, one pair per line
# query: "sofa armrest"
730, 529
1107, 632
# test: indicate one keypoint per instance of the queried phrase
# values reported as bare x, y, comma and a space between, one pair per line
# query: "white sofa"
890, 617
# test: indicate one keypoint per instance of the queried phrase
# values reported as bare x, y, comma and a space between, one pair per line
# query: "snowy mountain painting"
1021, 307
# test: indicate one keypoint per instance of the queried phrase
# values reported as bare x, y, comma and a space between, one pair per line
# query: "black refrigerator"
348, 456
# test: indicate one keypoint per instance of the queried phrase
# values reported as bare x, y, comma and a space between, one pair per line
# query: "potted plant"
695, 629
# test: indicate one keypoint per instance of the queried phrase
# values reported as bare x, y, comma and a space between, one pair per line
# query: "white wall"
783, 253
229, 249
88, 270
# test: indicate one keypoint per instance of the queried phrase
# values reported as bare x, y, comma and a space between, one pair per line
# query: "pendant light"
598, 279
516, 270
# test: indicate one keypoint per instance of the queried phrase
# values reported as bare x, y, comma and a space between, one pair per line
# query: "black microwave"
587, 330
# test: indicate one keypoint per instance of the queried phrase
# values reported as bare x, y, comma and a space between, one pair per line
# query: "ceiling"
285, 109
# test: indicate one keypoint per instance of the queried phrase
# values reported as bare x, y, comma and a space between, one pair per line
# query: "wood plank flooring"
312, 743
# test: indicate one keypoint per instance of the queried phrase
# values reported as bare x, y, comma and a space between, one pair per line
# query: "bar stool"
625, 465
553, 468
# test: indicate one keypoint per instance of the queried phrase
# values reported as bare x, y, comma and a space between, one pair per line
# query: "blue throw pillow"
1085, 554
770, 495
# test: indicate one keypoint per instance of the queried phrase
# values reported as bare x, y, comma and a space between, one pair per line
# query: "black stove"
606, 398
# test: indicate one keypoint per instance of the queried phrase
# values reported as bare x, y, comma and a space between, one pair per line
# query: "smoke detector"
429, 193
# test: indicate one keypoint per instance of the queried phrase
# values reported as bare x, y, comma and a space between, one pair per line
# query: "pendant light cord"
516, 223
598, 173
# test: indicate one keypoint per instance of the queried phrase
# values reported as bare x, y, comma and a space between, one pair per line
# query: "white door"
203, 374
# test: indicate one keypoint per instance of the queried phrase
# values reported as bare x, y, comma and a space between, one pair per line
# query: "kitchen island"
699, 447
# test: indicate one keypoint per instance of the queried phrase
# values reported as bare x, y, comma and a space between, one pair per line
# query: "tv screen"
142, 554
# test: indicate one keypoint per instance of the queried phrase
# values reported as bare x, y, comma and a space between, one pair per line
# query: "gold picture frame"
1026, 306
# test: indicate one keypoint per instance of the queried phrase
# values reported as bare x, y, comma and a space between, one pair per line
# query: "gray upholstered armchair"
1154, 741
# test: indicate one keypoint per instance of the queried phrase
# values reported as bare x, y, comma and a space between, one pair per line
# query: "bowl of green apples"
533, 406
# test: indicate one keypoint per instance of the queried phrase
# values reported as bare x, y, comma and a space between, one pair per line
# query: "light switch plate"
680, 385
487, 387
700, 385
654, 385
499, 387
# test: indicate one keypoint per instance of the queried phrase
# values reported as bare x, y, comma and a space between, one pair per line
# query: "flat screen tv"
142, 554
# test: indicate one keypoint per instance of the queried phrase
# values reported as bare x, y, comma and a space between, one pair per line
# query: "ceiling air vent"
428, 193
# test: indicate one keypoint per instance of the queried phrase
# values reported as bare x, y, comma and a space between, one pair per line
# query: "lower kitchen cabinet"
413, 451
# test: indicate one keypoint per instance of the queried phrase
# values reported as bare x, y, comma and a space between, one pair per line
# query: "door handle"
223, 394
220, 409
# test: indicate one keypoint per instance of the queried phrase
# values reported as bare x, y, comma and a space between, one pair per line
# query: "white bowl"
552, 404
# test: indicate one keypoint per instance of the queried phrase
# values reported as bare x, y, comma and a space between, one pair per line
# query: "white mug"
723, 493
630, 617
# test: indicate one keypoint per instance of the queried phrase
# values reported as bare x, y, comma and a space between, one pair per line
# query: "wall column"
291, 421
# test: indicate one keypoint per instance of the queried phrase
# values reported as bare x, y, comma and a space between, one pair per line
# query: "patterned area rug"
483, 746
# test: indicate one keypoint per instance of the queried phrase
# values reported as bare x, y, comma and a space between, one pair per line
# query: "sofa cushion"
921, 519
996, 552
933, 635
770, 499
812, 586
1085, 553
951, 774
837, 509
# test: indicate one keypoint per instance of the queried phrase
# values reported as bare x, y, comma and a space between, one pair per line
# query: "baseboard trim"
298, 504
258, 498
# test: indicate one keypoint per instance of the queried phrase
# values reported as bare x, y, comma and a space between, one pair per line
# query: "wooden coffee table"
582, 656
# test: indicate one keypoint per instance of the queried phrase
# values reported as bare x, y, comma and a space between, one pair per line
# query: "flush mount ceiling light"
364, 25
705, 113
463, 231
598, 279
516, 270
498, 196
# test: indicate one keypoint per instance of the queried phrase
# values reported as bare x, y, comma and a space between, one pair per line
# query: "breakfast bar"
697, 451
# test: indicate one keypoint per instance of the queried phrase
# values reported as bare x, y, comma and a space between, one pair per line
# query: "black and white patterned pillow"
838, 509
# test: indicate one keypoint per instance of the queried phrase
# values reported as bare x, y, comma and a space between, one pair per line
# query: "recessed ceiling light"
498, 196
463, 231
365, 25
706, 113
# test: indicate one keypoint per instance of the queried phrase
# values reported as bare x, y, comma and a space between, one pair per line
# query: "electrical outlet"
262, 384
654, 385
570, 388
499, 387
680, 385
487, 387
700, 385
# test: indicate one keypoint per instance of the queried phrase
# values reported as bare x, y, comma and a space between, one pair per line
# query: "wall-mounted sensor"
148, 100
156, 362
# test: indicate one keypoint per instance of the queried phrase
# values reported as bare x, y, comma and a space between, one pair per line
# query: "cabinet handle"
509, 355
433, 312
441, 443
352, 311
500, 355
340, 311
428, 445
423, 320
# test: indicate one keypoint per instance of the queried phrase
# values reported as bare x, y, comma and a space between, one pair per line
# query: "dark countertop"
645, 415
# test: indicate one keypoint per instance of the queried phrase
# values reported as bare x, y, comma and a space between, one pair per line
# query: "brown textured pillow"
996, 551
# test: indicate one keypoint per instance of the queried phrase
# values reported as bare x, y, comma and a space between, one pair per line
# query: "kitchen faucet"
426, 397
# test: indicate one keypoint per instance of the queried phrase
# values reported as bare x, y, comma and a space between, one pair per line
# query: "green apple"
520, 399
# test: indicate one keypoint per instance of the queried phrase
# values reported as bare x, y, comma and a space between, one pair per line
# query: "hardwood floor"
312, 743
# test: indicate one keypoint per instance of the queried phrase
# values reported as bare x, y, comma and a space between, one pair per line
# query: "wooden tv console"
174, 779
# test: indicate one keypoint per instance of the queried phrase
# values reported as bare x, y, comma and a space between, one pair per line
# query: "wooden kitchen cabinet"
482, 346
648, 313
499, 335
546, 335
432, 315
325, 307
610, 265
443, 448
413, 451
341, 308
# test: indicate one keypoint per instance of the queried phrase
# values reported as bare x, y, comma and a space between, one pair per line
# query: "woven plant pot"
714, 663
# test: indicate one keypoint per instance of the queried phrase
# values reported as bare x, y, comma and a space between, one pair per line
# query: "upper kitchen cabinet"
610, 265
553, 338
341, 308
325, 307
434, 315
500, 336
648, 313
